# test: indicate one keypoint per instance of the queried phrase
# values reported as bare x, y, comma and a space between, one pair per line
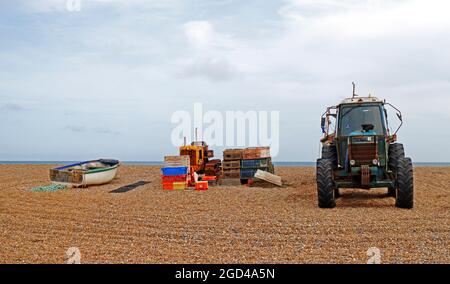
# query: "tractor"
359, 151
200, 161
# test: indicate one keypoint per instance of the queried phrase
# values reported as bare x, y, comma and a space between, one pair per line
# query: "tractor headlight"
375, 162
352, 162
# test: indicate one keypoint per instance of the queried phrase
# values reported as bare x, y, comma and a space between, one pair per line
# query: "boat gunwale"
99, 170
87, 162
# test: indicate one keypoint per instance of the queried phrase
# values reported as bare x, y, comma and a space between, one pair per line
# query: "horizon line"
161, 161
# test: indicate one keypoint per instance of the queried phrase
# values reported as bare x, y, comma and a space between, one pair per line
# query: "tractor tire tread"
396, 152
325, 184
405, 184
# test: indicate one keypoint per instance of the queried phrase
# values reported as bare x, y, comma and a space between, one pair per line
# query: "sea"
158, 163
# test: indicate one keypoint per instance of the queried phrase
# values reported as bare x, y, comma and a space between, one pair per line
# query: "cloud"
202, 35
98, 130
104, 130
44, 6
366, 19
303, 9
212, 69
211, 57
58, 6
118, 57
76, 128
11, 107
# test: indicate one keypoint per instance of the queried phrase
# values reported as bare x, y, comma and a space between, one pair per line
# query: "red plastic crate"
167, 185
201, 185
172, 179
209, 178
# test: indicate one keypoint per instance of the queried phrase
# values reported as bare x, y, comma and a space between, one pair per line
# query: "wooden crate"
176, 161
230, 165
232, 154
256, 153
75, 176
231, 173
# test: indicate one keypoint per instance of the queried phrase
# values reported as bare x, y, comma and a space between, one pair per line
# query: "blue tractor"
359, 151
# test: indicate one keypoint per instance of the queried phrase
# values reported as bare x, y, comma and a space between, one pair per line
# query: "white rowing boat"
86, 173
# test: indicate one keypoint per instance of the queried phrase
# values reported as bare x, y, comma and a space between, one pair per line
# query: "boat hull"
99, 178
74, 176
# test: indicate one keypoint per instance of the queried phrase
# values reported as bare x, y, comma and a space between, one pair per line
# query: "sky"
105, 81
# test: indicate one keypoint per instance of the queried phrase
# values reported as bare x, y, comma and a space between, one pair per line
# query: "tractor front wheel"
325, 184
396, 152
329, 152
405, 184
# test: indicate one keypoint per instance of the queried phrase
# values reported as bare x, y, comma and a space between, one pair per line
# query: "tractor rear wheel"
325, 184
330, 152
405, 184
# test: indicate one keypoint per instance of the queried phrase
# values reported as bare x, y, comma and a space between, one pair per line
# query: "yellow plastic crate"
179, 185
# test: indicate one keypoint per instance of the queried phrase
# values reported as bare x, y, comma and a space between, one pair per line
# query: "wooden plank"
266, 176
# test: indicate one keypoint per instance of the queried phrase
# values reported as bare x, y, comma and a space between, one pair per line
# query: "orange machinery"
200, 155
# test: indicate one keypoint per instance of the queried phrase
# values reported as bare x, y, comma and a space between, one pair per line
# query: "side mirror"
322, 124
400, 117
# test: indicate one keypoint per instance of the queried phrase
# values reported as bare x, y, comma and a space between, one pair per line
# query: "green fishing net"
53, 187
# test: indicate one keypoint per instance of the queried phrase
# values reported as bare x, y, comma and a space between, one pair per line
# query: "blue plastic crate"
250, 173
174, 171
256, 163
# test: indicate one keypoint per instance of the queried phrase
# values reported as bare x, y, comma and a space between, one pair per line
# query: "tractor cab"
361, 131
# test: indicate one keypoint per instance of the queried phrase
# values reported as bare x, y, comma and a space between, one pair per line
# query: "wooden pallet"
232, 154
231, 173
230, 165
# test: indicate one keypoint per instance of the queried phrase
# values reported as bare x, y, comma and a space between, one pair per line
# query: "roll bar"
399, 115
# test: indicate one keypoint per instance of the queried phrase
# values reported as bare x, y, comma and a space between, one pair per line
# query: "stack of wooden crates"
240, 165
175, 173
254, 159
232, 167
